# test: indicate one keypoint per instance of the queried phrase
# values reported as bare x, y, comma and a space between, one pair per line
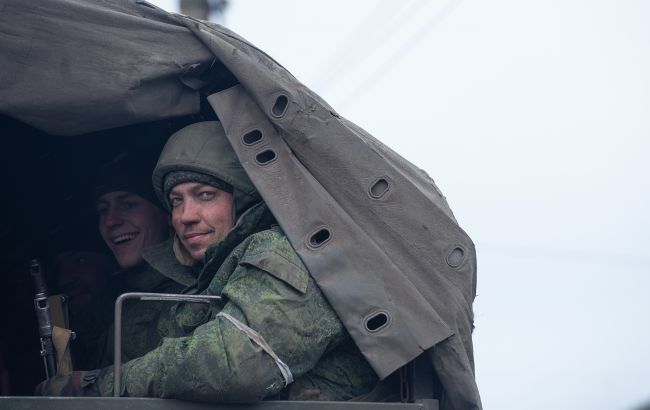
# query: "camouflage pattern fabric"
143, 324
265, 286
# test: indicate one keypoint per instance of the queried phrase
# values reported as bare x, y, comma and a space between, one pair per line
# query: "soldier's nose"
189, 213
112, 219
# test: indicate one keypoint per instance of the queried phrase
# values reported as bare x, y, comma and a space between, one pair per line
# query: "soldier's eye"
175, 201
129, 205
207, 195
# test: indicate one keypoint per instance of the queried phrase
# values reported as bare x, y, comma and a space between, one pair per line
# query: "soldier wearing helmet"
272, 335
130, 221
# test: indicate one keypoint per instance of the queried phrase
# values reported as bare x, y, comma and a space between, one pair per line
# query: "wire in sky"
348, 48
364, 39
400, 52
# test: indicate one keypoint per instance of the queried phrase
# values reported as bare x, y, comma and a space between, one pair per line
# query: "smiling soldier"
272, 335
130, 222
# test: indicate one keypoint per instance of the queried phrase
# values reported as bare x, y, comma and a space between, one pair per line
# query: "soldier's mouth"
118, 240
194, 237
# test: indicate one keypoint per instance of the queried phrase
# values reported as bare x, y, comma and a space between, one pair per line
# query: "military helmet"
203, 147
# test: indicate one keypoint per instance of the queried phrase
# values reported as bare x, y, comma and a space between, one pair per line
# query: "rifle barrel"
44, 318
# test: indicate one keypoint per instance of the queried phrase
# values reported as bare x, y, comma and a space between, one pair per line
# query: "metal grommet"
376, 321
280, 106
252, 137
378, 188
455, 257
319, 237
265, 157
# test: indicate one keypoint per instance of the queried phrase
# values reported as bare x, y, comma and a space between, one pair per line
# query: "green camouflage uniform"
143, 324
265, 286
272, 336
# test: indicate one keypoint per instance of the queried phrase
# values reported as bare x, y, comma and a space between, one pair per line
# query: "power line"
400, 52
351, 55
350, 46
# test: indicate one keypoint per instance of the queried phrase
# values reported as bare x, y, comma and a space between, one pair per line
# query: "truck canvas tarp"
374, 230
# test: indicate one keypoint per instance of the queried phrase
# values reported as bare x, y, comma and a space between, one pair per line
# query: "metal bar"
143, 296
138, 403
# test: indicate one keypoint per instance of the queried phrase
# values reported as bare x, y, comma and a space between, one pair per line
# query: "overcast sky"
533, 117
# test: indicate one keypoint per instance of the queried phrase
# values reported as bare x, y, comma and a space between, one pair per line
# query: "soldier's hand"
77, 383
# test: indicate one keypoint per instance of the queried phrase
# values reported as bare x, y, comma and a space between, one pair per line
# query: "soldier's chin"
128, 260
197, 252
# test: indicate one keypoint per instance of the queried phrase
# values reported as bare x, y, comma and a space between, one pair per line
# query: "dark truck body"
125, 403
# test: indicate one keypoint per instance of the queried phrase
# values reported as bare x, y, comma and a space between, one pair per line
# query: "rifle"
42, 307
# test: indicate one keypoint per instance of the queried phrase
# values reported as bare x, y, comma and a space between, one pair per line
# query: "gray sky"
533, 117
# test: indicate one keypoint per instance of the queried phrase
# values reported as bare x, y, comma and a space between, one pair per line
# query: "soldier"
130, 221
273, 334
82, 275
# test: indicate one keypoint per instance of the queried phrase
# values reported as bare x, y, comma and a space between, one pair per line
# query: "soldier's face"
83, 274
128, 223
201, 216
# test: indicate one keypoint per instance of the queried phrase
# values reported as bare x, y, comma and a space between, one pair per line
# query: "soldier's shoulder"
272, 240
271, 251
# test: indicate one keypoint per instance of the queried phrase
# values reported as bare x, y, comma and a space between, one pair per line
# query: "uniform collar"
255, 219
161, 258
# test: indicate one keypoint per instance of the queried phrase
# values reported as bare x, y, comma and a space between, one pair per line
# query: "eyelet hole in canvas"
377, 321
320, 237
265, 157
280, 106
252, 137
379, 188
456, 257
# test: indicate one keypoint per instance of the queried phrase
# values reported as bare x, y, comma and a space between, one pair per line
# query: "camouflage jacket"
143, 324
273, 334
